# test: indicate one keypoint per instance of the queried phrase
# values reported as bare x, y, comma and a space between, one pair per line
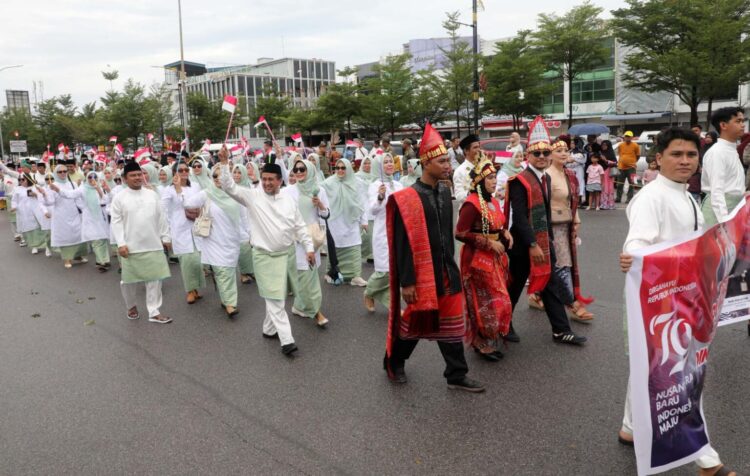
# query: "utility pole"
182, 82
475, 92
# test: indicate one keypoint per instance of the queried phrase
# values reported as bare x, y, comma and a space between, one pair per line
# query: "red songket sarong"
484, 273
432, 316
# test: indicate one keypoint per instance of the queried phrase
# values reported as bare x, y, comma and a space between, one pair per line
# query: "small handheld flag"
113, 139
229, 104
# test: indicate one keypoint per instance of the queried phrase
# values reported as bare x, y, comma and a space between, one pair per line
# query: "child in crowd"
650, 174
594, 180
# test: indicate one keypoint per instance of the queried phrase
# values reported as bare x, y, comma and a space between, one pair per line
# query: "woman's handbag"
318, 234
192, 213
613, 172
202, 224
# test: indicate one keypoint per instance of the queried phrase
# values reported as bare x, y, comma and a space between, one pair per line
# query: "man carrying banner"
664, 211
419, 224
722, 176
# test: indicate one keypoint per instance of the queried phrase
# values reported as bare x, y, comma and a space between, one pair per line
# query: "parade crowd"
272, 219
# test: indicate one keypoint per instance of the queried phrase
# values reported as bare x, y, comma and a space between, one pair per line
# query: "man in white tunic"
461, 182
663, 211
276, 223
723, 179
141, 231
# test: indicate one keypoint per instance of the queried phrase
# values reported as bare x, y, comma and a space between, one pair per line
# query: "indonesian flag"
297, 138
113, 139
184, 144
61, 147
261, 121
236, 150
258, 154
206, 144
101, 158
245, 146
150, 136
118, 150
142, 156
229, 104
45, 157
92, 151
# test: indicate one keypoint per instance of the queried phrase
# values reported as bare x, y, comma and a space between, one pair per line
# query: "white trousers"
710, 460
277, 321
153, 296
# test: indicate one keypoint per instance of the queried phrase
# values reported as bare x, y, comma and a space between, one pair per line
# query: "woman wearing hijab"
346, 221
25, 205
378, 286
66, 219
165, 179
239, 174
510, 168
152, 175
43, 214
221, 248
94, 225
253, 173
181, 230
482, 229
609, 161
313, 206
366, 175
199, 175
414, 171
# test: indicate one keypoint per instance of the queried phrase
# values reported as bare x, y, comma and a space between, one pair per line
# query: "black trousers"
519, 269
453, 353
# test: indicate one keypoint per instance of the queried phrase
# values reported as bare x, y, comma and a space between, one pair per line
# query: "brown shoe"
197, 296
191, 297
369, 303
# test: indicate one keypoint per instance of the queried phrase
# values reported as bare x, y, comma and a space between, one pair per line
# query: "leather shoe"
289, 349
190, 297
271, 336
512, 336
396, 374
466, 384
490, 357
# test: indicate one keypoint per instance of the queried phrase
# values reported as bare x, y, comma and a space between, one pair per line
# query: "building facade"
302, 80
17, 100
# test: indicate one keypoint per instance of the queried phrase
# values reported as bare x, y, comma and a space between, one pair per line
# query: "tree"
572, 44
341, 103
160, 97
515, 82
458, 70
694, 52
128, 113
272, 105
387, 96
111, 76
54, 119
428, 100
207, 119
307, 121
19, 120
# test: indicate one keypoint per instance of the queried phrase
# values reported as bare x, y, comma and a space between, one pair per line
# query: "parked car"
494, 149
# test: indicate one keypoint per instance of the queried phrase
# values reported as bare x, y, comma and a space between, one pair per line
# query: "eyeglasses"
63, 172
339, 168
539, 153
215, 177
183, 170
302, 170
197, 166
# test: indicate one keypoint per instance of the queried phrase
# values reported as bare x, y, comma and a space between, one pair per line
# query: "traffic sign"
18, 147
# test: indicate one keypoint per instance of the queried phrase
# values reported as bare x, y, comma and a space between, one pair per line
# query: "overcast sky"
65, 44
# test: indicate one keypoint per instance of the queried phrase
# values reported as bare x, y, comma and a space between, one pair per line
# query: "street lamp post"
183, 79
2, 139
475, 92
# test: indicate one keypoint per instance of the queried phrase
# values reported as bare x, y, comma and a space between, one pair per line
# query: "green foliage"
429, 103
340, 104
458, 72
274, 106
387, 96
692, 49
572, 44
516, 66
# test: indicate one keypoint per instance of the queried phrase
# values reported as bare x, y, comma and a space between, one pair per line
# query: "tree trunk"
458, 122
708, 113
570, 103
694, 106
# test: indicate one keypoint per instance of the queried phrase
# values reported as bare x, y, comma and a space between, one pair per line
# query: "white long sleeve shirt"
722, 175
181, 229
275, 220
222, 245
663, 210
461, 182
379, 233
138, 221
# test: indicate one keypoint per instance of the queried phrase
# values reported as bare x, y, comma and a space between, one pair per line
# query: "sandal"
580, 313
133, 313
160, 319
535, 302
722, 471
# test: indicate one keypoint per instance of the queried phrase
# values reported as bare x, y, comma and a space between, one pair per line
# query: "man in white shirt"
723, 178
276, 223
359, 152
661, 212
461, 182
141, 231
454, 153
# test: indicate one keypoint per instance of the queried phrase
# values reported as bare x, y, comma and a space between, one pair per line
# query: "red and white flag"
351, 143
236, 149
297, 138
61, 147
118, 150
101, 158
261, 121
113, 139
142, 156
150, 136
229, 104
45, 157
184, 144
93, 151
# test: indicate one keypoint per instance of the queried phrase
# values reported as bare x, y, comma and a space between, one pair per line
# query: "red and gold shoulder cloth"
426, 310
540, 273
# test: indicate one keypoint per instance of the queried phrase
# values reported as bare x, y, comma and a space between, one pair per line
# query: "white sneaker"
34, 251
47, 252
82, 260
299, 313
358, 281
328, 279
22, 244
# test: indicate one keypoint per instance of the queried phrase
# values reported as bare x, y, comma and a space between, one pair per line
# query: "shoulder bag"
202, 224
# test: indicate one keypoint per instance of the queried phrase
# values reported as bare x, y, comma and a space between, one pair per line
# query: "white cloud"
67, 43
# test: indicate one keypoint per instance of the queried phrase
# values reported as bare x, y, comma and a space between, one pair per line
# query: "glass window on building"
318, 72
297, 88
296, 69
594, 87
325, 70
258, 86
555, 103
241, 84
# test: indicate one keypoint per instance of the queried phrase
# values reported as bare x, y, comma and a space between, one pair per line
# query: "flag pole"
229, 127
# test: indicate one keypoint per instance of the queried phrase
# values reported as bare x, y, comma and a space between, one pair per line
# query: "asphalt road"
85, 391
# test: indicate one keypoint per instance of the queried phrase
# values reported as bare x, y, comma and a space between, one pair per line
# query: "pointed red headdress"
432, 145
